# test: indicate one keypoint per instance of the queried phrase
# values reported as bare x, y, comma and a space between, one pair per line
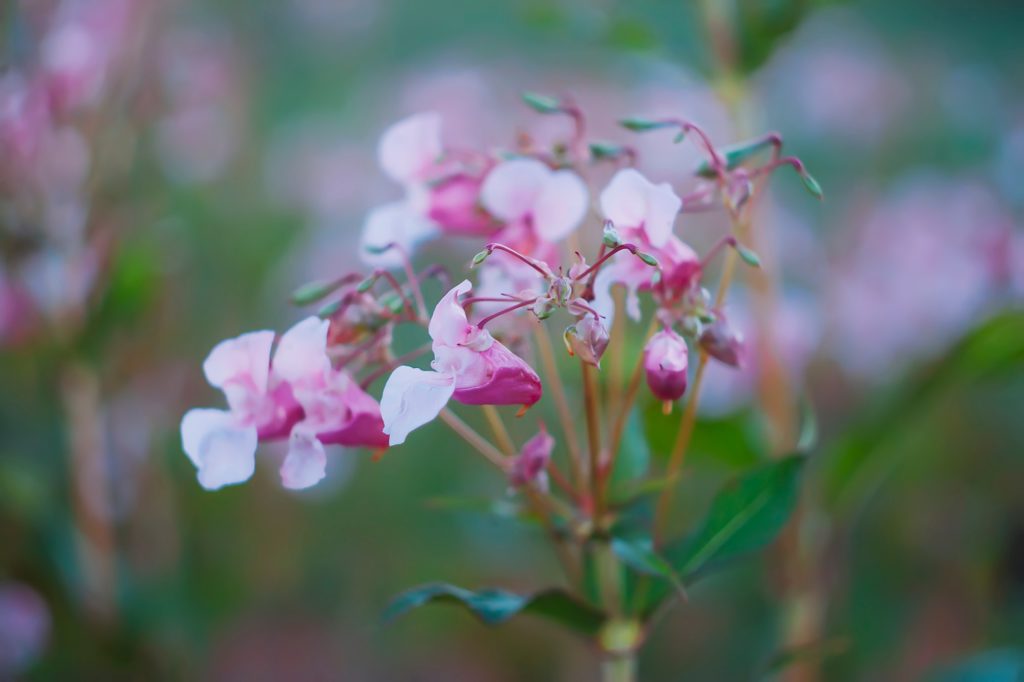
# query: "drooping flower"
538, 205
297, 393
469, 366
442, 192
643, 213
665, 363
722, 341
532, 461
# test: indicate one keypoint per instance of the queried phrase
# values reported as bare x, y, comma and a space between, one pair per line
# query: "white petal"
411, 398
302, 351
410, 146
631, 201
243, 357
448, 322
222, 450
510, 190
306, 462
662, 208
560, 206
394, 223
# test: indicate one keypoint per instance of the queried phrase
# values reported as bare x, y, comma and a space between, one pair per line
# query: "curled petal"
410, 147
411, 398
223, 450
395, 223
305, 464
448, 323
632, 201
302, 351
512, 187
560, 205
242, 360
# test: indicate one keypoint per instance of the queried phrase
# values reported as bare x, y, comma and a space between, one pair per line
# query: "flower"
539, 206
665, 363
643, 213
723, 341
442, 193
298, 394
469, 366
531, 462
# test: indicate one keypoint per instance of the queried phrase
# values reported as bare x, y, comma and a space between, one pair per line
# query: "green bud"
656, 278
680, 136
611, 236
734, 155
365, 285
394, 303
647, 258
376, 250
642, 125
329, 310
812, 185
480, 258
749, 257
312, 292
542, 103
605, 150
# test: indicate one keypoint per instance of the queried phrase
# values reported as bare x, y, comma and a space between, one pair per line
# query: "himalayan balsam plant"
550, 258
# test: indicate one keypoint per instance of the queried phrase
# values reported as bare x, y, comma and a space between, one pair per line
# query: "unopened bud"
480, 257
723, 342
559, 290
611, 237
812, 185
543, 308
314, 291
647, 258
588, 338
605, 150
542, 103
749, 256
641, 125
532, 461
666, 358
365, 285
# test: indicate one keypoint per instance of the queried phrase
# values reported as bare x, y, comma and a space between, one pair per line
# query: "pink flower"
297, 394
723, 342
442, 194
469, 366
537, 204
643, 213
531, 462
665, 364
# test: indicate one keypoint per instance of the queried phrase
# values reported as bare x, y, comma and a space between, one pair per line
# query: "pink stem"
512, 252
600, 261
523, 304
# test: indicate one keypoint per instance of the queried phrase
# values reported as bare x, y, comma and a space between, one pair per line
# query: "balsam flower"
665, 363
469, 366
643, 213
532, 461
297, 394
442, 194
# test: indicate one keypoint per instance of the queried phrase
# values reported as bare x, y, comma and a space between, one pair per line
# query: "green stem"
619, 669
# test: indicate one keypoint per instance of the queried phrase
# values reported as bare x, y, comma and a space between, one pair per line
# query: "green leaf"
639, 555
859, 461
494, 606
542, 103
744, 516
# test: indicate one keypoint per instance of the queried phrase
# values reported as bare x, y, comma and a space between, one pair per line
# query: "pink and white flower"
296, 394
469, 366
666, 360
643, 213
531, 463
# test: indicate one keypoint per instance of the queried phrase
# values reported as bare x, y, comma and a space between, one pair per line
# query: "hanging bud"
665, 363
611, 237
749, 256
314, 291
723, 342
542, 104
543, 308
532, 461
480, 258
588, 339
642, 125
559, 291
812, 185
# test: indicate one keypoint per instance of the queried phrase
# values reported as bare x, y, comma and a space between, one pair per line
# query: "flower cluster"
529, 208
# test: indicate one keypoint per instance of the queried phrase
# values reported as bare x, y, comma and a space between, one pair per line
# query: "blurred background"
171, 169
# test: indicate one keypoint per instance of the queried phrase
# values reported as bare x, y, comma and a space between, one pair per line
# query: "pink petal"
631, 201
222, 450
560, 206
394, 223
301, 353
512, 187
448, 323
410, 147
244, 359
305, 464
411, 398
509, 380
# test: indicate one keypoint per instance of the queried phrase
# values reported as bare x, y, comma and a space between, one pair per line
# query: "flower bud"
588, 339
531, 462
723, 342
665, 363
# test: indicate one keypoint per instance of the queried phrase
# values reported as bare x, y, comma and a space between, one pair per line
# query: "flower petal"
222, 449
395, 223
306, 462
560, 206
302, 351
411, 398
511, 189
631, 201
408, 148
243, 359
448, 322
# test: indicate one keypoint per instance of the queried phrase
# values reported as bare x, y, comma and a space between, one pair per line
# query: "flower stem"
547, 357
469, 434
619, 669
500, 432
591, 398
